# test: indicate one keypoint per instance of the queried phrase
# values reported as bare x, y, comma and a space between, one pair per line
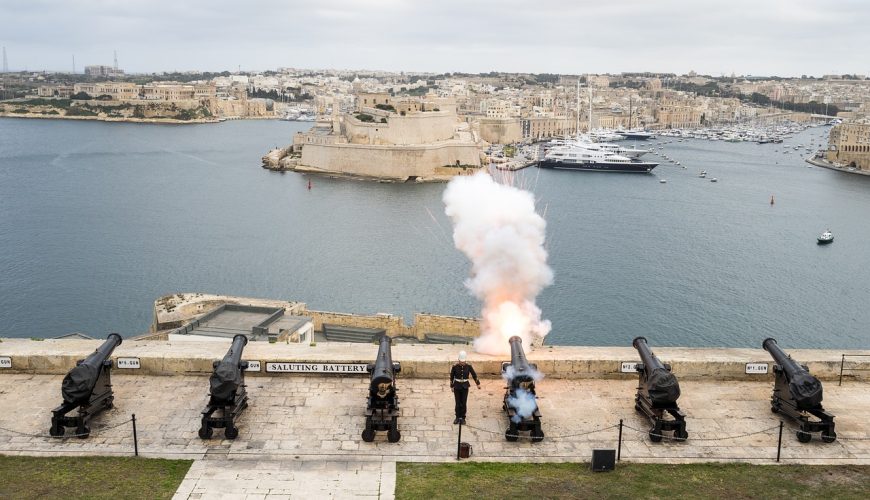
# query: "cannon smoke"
524, 402
497, 228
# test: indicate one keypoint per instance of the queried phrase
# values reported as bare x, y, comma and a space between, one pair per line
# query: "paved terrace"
300, 435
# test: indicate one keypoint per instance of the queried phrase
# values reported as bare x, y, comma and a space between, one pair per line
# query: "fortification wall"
58, 356
389, 162
501, 130
413, 128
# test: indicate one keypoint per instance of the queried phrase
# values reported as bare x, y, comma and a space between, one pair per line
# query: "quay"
514, 165
819, 162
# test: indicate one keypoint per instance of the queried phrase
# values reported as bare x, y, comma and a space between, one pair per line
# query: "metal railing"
843, 365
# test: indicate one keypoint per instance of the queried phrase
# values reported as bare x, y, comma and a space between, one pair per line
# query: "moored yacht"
576, 157
641, 135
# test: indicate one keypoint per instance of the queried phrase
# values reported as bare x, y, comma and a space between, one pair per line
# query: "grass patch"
90, 477
630, 481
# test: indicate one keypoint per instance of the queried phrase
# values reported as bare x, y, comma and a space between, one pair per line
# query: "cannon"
227, 394
657, 394
798, 395
520, 400
88, 387
382, 407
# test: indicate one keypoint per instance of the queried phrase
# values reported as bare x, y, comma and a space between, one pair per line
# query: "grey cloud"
758, 37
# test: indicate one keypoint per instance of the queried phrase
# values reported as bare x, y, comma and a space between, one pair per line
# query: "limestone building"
849, 145
394, 138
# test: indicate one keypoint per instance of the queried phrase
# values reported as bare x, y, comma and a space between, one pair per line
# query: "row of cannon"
797, 394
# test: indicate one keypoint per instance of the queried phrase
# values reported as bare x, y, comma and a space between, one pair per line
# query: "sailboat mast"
577, 131
589, 86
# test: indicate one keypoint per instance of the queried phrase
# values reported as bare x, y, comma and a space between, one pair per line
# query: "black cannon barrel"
805, 388
661, 384
382, 372
650, 361
227, 375
789, 366
522, 371
78, 384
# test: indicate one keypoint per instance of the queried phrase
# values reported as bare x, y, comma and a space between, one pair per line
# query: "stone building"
849, 145
406, 139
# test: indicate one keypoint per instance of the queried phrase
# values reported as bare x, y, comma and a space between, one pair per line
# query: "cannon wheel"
83, 431
537, 434
655, 434
774, 408
368, 435
205, 432
681, 434
231, 432
393, 435
110, 402
512, 434
829, 436
804, 437
56, 430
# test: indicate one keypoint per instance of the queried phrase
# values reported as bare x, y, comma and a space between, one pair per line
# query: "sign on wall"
5, 362
253, 366
628, 367
129, 363
335, 368
756, 368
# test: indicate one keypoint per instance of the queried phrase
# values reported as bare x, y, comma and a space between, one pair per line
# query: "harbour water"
99, 219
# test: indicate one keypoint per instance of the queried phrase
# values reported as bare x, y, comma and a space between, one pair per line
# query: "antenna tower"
116, 61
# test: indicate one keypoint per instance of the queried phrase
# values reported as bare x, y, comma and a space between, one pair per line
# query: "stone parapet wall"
413, 128
425, 361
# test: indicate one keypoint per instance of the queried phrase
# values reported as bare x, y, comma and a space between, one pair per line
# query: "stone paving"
301, 434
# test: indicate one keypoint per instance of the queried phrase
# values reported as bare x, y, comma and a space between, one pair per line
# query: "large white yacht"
577, 157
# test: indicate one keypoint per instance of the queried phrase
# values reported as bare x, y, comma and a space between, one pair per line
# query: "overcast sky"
758, 37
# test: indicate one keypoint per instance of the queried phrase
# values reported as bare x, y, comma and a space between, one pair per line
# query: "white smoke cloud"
497, 228
524, 404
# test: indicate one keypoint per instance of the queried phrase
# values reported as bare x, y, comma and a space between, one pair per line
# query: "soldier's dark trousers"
461, 395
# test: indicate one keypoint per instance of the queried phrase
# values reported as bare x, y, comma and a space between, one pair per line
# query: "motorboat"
826, 237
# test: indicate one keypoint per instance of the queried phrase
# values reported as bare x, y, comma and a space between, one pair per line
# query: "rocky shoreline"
172, 121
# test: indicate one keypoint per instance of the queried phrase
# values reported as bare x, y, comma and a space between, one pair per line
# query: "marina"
670, 259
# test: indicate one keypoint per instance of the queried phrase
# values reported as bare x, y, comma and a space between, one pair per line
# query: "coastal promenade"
301, 433
826, 164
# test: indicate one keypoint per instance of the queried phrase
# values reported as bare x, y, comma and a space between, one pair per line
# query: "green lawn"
90, 477
630, 481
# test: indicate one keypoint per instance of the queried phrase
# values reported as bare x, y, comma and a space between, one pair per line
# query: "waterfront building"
849, 145
115, 90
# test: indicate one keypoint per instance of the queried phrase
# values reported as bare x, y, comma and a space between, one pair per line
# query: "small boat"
663, 181
703, 174
714, 180
826, 238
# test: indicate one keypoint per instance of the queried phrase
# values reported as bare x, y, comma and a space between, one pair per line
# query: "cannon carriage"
227, 394
798, 395
382, 404
520, 398
88, 388
657, 394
